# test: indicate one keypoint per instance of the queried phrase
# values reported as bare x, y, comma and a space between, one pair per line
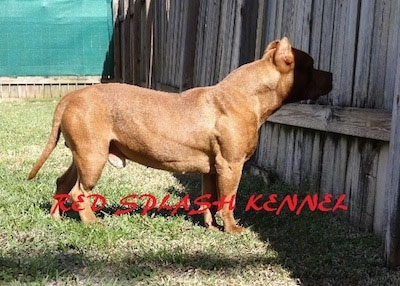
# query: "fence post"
392, 243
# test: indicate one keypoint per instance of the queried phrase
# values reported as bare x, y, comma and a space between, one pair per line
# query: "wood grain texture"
360, 122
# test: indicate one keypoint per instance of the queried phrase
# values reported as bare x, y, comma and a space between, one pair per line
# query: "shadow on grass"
317, 248
72, 263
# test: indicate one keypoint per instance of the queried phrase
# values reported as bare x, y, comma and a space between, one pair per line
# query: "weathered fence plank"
366, 123
42, 87
392, 246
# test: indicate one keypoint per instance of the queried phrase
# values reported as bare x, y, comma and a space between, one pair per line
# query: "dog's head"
299, 79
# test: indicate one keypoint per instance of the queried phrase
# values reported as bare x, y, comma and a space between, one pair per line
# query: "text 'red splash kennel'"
272, 203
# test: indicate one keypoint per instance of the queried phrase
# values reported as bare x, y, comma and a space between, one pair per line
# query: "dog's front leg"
228, 179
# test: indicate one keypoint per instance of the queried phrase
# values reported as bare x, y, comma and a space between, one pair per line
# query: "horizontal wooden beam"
39, 80
359, 122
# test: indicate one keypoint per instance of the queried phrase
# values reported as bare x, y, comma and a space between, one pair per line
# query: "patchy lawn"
312, 248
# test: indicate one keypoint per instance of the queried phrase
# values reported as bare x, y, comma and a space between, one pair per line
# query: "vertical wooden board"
30, 91
7, 91
117, 44
21, 90
266, 138
64, 89
165, 45
174, 40
393, 56
353, 192
302, 24
121, 12
249, 30
197, 73
380, 206
278, 26
327, 165
340, 168
273, 144
316, 159
149, 44
362, 68
262, 153
281, 152
33, 91
306, 156
289, 149
324, 27
317, 22
297, 156
136, 42
287, 24
260, 44
262, 147
237, 35
224, 37
46, 91
342, 51
227, 43
369, 164
160, 27
178, 42
169, 42
54, 90
131, 26
203, 46
214, 41
378, 54
141, 51
188, 51
206, 63
14, 91
380, 210
392, 186
270, 21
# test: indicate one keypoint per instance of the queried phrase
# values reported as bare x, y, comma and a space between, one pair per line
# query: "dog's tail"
52, 142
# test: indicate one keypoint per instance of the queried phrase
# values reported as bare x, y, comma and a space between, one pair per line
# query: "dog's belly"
180, 159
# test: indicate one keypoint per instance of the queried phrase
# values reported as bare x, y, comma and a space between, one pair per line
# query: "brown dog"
210, 130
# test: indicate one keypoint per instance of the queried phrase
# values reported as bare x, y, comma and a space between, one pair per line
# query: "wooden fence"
342, 144
43, 87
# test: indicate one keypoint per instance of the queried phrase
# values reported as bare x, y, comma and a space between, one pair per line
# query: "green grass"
310, 249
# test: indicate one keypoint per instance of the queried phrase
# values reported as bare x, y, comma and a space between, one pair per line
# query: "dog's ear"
283, 56
270, 49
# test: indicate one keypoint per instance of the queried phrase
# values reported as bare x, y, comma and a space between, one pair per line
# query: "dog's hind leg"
65, 183
89, 168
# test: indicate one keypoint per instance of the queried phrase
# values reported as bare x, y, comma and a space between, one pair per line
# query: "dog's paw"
214, 227
234, 229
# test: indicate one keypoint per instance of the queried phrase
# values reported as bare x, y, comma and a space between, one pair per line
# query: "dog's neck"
261, 85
